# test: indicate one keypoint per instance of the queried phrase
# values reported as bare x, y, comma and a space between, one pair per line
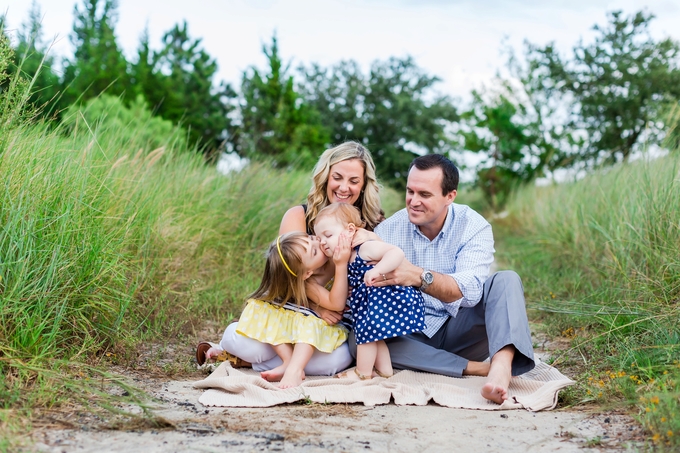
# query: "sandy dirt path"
339, 428
191, 427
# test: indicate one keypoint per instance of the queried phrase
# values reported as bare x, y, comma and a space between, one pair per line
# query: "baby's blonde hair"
345, 213
368, 202
278, 284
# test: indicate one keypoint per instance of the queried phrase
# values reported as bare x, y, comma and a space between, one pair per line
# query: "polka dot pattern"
386, 312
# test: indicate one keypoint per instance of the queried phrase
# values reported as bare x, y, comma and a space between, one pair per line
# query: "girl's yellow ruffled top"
272, 324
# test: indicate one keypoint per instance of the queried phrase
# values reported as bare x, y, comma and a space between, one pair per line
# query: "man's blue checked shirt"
463, 249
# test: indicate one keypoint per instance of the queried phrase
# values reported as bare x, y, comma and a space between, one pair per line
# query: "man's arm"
461, 282
444, 287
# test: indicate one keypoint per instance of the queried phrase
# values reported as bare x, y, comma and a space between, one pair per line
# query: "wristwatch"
426, 279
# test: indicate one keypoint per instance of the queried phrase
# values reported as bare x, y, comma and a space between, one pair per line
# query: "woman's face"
345, 181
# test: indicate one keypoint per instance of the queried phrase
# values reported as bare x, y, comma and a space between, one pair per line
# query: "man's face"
426, 205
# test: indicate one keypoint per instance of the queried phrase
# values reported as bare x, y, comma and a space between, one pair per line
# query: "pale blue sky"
459, 41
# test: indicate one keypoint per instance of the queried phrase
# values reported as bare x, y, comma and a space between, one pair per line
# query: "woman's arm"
293, 220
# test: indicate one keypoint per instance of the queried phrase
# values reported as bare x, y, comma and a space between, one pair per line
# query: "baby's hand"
372, 276
342, 251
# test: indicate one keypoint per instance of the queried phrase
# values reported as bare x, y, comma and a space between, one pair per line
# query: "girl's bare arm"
341, 254
319, 301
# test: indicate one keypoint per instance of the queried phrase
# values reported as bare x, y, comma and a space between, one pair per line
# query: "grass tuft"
600, 262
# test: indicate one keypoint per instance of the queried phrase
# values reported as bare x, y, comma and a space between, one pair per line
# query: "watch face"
428, 277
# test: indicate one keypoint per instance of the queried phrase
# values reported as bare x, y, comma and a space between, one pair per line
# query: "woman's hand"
342, 251
331, 317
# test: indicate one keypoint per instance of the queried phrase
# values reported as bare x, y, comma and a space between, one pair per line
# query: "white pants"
263, 357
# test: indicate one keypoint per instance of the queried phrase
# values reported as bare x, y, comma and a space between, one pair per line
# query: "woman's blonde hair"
368, 202
343, 212
283, 277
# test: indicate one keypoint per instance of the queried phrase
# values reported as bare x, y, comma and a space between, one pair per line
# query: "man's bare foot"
292, 378
275, 374
495, 393
500, 373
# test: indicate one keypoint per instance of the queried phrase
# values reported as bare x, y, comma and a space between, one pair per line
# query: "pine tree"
98, 63
275, 120
178, 82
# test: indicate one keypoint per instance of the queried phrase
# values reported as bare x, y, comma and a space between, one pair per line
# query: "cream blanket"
229, 387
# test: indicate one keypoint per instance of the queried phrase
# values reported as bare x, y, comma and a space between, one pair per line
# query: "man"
469, 317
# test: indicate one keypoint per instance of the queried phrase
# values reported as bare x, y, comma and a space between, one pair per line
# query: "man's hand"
405, 275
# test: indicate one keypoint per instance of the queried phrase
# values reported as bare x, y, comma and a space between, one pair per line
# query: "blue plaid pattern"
463, 249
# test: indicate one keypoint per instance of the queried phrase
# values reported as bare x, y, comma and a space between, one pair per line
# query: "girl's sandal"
343, 375
382, 375
223, 356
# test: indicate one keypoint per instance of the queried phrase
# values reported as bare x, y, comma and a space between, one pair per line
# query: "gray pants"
476, 333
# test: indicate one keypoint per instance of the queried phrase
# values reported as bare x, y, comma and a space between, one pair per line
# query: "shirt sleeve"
473, 262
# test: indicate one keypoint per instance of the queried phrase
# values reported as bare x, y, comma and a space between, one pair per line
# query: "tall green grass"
114, 232
100, 231
602, 255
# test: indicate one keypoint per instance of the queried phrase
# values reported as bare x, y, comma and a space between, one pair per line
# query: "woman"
344, 174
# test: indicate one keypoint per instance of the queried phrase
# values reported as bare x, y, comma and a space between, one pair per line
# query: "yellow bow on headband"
278, 247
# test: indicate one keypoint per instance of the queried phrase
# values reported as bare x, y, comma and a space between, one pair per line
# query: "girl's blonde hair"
368, 202
343, 212
283, 277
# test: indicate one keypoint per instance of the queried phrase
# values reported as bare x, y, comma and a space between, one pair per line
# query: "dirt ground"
189, 426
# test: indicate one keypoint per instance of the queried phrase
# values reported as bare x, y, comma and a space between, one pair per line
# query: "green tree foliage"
495, 127
619, 85
393, 109
518, 127
98, 63
14, 89
276, 122
31, 57
178, 82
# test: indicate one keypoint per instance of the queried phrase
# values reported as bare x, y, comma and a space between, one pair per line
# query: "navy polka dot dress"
385, 312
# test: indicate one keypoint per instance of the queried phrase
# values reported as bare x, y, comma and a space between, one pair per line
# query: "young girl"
269, 317
378, 312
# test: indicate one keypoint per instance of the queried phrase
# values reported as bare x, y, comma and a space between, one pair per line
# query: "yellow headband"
278, 247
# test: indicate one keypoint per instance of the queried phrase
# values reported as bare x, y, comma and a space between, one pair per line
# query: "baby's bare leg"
295, 372
285, 351
383, 363
366, 355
